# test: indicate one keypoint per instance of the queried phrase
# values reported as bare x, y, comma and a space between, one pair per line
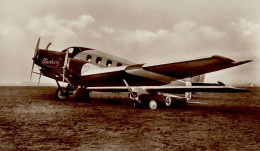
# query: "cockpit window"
98, 60
70, 50
119, 64
109, 63
89, 57
73, 50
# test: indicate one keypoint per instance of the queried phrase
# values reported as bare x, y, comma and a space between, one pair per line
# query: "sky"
138, 30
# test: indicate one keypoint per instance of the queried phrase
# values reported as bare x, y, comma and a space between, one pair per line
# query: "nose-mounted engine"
57, 65
50, 62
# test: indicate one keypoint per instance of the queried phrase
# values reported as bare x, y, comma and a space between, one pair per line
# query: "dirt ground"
32, 119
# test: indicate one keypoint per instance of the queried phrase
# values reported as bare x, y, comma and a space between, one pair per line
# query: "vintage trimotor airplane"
149, 84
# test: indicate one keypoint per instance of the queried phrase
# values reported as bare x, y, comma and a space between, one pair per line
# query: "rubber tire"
168, 101
59, 95
153, 104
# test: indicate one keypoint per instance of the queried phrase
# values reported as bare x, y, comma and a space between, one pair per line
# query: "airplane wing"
195, 67
168, 89
156, 74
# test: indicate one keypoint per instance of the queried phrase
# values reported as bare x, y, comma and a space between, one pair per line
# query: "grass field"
32, 119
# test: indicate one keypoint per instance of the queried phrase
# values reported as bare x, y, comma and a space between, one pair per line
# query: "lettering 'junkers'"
50, 63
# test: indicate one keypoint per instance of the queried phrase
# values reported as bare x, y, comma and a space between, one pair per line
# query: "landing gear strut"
62, 93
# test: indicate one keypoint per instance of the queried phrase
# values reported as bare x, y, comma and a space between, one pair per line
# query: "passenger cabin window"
109, 63
119, 64
89, 57
98, 60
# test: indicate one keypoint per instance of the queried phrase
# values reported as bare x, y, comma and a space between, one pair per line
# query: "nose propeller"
36, 56
37, 48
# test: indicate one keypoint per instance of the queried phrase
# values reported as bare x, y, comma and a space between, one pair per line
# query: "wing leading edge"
191, 68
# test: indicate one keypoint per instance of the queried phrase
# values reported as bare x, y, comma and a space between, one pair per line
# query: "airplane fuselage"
85, 61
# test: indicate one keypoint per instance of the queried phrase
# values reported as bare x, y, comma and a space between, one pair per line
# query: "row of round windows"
99, 60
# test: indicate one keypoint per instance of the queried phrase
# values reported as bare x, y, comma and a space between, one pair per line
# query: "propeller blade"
37, 47
34, 56
128, 87
35, 53
39, 78
32, 71
132, 94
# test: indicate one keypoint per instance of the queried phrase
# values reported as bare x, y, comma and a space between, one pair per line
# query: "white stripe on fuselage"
103, 70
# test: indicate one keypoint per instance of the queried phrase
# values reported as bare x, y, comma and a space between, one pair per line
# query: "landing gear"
62, 94
146, 101
155, 101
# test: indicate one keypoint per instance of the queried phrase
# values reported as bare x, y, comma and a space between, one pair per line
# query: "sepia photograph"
129, 75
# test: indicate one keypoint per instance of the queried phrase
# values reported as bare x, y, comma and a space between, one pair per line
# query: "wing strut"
64, 67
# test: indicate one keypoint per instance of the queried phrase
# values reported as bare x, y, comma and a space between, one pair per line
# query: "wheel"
62, 95
153, 104
168, 101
